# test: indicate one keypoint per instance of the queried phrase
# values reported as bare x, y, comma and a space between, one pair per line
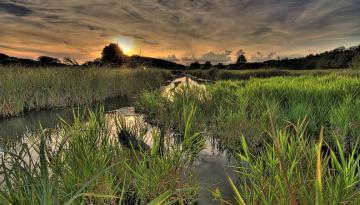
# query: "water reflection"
31, 121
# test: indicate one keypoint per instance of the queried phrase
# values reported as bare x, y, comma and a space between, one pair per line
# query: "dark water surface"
31, 121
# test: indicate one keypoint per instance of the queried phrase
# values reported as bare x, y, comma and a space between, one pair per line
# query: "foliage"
48, 61
195, 65
241, 60
82, 164
292, 170
232, 108
355, 62
112, 54
207, 65
24, 89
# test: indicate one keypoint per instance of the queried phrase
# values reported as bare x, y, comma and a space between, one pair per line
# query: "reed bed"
24, 89
81, 163
229, 109
270, 127
221, 74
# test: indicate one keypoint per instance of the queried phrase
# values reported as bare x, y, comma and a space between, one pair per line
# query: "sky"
182, 31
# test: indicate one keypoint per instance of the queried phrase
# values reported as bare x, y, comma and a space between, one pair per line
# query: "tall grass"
81, 163
23, 89
229, 109
218, 74
296, 171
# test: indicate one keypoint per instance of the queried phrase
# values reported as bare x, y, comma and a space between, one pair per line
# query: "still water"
32, 121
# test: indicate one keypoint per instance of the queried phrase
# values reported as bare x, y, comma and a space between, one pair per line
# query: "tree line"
113, 56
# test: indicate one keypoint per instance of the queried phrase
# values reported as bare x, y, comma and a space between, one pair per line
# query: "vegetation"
338, 58
270, 127
282, 165
355, 62
25, 89
83, 163
218, 74
292, 170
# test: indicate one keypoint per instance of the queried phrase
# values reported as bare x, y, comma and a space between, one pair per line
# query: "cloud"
214, 57
222, 57
15, 9
261, 57
172, 58
240, 52
183, 27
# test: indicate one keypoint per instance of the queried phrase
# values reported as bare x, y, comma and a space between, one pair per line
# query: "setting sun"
126, 43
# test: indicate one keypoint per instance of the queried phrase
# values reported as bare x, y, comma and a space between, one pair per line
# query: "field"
293, 140
25, 89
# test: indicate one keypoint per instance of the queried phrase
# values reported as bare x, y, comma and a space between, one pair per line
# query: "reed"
80, 163
24, 89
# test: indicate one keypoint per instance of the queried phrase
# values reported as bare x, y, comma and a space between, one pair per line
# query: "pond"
32, 121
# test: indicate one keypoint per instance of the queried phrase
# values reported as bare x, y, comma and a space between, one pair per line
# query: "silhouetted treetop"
112, 54
46, 60
241, 60
70, 61
195, 65
207, 65
355, 61
3, 56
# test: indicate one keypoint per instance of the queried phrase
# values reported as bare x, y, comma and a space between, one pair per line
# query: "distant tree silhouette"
241, 60
70, 61
3, 56
46, 60
95, 63
355, 62
112, 54
195, 65
207, 65
220, 66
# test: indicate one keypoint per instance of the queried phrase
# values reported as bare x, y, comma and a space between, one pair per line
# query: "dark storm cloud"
185, 28
15, 9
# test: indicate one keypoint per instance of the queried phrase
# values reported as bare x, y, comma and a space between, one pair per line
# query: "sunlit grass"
23, 89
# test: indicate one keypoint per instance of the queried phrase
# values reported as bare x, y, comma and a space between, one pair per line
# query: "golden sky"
179, 30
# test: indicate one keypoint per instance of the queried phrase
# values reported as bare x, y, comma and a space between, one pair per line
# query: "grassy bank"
23, 89
231, 108
265, 73
271, 129
82, 163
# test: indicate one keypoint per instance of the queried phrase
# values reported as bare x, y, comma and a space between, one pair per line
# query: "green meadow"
291, 139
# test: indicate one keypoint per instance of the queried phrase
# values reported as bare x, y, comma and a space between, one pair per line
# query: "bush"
355, 62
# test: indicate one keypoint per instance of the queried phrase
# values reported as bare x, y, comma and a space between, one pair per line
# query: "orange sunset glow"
180, 31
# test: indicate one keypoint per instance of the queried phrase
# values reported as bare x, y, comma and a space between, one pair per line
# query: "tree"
3, 56
195, 65
355, 62
112, 54
70, 61
220, 66
241, 60
46, 60
207, 65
